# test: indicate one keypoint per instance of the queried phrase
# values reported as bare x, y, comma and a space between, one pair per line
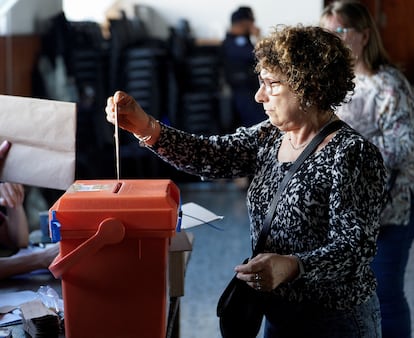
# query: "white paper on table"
43, 136
194, 214
14, 299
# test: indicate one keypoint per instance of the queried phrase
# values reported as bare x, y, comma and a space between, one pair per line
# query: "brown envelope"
42, 135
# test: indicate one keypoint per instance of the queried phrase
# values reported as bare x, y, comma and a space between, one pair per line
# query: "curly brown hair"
316, 64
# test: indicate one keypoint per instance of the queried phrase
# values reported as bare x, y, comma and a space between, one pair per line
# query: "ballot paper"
42, 134
194, 215
10, 313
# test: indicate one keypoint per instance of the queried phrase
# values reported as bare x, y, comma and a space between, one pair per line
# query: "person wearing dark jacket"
238, 63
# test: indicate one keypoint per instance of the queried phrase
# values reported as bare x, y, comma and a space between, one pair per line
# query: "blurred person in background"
238, 63
381, 109
14, 231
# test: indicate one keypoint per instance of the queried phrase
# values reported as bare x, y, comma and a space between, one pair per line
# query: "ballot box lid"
142, 204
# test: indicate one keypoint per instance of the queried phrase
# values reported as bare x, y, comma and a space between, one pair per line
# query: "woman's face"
355, 40
279, 102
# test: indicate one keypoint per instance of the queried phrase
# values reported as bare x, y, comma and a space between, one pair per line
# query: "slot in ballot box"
114, 240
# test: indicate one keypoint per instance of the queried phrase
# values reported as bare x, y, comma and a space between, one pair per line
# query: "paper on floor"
194, 214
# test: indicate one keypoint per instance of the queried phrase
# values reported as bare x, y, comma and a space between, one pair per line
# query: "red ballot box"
114, 239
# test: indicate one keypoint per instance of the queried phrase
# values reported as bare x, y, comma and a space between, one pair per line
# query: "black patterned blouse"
328, 214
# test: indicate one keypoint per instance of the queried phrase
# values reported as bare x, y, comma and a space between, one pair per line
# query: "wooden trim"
18, 57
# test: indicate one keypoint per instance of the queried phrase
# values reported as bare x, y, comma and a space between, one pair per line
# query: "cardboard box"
179, 255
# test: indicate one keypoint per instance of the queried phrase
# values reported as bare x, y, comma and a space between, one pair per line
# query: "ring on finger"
257, 277
258, 286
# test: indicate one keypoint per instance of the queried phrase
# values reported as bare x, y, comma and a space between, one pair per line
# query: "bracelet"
151, 127
300, 267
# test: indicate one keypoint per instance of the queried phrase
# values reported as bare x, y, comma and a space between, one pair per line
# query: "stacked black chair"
198, 82
200, 97
138, 65
88, 63
173, 79
144, 68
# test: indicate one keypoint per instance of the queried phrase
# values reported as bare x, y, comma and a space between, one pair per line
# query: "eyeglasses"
272, 87
343, 30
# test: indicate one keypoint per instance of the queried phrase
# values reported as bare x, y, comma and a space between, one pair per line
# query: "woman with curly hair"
382, 109
314, 273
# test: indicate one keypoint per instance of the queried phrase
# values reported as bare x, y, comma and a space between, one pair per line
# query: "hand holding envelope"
42, 134
4, 148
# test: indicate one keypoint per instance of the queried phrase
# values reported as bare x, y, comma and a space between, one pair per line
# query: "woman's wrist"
150, 133
299, 269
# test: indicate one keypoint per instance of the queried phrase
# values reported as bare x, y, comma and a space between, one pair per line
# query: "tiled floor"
216, 252
409, 286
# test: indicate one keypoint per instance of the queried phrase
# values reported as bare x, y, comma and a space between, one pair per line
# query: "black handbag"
241, 308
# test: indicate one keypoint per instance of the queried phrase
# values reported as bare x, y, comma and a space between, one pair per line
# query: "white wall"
208, 18
25, 16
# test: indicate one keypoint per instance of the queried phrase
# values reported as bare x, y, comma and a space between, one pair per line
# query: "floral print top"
328, 214
382, 109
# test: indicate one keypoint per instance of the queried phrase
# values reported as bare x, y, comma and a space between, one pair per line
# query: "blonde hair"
355, 15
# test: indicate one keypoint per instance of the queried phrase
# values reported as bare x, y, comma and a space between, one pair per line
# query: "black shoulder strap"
310, 148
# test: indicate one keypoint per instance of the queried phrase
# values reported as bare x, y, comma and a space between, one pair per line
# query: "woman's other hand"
267, 271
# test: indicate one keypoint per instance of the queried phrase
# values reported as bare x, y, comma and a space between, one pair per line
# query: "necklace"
303, 145
297, 147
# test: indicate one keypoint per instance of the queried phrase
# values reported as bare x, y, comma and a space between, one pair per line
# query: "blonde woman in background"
381, 109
